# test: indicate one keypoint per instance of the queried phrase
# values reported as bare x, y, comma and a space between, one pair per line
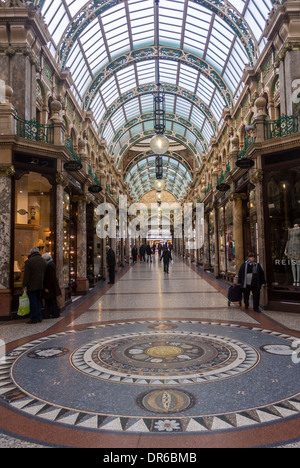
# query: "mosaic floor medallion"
166, 401
181, 376
170, 358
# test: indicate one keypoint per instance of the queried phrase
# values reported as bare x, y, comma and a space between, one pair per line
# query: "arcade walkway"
156, 361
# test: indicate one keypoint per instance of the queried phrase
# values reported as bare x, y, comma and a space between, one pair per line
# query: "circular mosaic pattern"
87, 393
166, 401
165, 358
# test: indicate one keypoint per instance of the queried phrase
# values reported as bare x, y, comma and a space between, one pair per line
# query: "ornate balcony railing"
33, 130
285, 126
69, 146
248, 142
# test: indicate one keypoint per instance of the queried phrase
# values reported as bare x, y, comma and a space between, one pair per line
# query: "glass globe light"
159, 144
159, 185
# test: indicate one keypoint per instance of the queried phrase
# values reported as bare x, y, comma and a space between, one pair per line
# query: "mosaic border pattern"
18, 400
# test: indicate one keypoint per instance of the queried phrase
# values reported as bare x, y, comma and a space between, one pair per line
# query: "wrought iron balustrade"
35, 131
282, 127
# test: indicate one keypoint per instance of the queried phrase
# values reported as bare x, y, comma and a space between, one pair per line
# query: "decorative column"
61, 184
82, 284
238, 232
6, 248
257, 180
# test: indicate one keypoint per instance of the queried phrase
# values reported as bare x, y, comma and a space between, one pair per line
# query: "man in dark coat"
111, 264
33, 283
51, 288
143, 252
251, 278
134, 253
166, 257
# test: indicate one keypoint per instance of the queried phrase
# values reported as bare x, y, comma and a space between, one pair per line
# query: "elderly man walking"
33, 283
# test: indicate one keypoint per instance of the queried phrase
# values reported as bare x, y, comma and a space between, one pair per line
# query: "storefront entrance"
282, 195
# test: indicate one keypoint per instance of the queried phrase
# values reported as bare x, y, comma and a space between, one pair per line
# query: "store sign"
95, 189
36, 161
73, 166
244, 163
223, 187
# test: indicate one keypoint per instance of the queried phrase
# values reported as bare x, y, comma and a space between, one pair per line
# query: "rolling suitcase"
235, 294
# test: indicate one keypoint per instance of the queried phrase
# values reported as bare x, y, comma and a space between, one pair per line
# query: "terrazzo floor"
156, 360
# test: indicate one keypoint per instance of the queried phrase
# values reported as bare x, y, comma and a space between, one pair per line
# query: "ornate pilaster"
237, 199
6, 173
82, 284
257, 180
61, 184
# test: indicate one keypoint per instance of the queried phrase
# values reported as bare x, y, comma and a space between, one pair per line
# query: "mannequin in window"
292, 251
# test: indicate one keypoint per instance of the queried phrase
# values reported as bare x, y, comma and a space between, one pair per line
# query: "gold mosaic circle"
164, 351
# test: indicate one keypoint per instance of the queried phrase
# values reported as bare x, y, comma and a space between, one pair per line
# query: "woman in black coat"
51, 289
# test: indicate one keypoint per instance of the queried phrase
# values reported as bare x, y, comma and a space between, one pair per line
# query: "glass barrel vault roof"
109, 47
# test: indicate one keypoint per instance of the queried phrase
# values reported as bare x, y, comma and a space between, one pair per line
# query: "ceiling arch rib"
91, 10
192, 98
166, 53
148, 134
142, 175
142, 119
146, 154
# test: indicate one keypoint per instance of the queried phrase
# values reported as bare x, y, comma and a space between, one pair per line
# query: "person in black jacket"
51, 289
251, 278
134, 254
111, 264
166, 257
33, 283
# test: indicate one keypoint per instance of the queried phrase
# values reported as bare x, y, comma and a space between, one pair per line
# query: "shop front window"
34, 221
284, 227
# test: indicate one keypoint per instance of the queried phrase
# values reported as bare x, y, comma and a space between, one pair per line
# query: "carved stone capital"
81, 199
257, 178
61, 180
238, 196
6, 170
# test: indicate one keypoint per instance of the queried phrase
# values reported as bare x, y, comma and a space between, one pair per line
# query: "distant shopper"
111, 264
160, 248
51, 289
149, 253
134, 254
33, 283
251, 278
143, 253
166, 257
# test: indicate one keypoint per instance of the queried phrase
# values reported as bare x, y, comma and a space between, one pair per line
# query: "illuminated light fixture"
159, 185
159, 143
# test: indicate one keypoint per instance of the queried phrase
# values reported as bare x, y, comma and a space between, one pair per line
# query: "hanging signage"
245, 163
73, 166
95, 189
223, 187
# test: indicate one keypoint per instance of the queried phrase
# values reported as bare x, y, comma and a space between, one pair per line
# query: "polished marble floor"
155, 360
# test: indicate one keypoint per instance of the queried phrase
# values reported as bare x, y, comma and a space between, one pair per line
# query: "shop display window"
34, 221
284, 227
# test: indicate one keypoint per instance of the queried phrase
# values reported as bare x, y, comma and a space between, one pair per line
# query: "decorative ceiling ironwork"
109, 47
